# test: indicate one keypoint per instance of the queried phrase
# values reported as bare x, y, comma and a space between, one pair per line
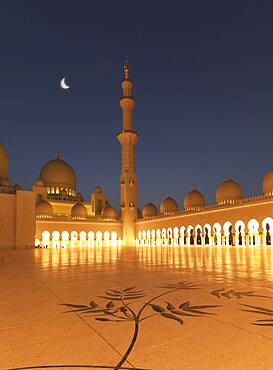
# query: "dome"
6, 182
39, 182
4, 162
109, 212
149, 210
44, 209
168, 206
194, 200
268, 183
229, 192
79, 212
58, 173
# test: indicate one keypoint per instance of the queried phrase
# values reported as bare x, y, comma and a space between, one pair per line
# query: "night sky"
203, 84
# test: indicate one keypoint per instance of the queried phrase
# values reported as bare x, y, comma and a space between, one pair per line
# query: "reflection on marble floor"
201, 308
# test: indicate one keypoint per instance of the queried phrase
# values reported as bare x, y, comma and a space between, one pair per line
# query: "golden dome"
79, 212
6, 182
168, 206
58, 173
4, 162
229, 192
149, 210
194, 200
268, 183
44, 209
109, 212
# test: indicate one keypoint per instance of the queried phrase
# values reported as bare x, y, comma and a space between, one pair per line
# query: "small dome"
6, 182
4, 162
149, 210
268, 183
39, 182
109, 212
44, 209
79, 212
229, 192
194, 200
58, 173
168, 206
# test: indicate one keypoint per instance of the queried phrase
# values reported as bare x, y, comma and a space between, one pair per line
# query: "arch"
217, 236
169, 236
114, 239
82, 238
148, 237
207, 234
46, 238
99, 239
253, 232
158, 237
65, 239
190, 235
153, 237
144, 237
240, 233
56, 239
182, 236
267, 225
198, 235
176, 236
91, 238
228, 233
73, 239
106, 238
164, 236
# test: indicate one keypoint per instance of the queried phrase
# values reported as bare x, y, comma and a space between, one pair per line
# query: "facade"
54, 214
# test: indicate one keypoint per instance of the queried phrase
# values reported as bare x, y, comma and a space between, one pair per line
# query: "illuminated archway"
106, 238
253, 232
158, 237
169, 236
175, 236
267, 226
207, 234
98, 239
164, 236
82, 238
217, 237
91, 239
46, 238
240, 233
198, 235
56, 239
65, 239
153, 238
190, 235
74, 239
148, 235
182, 237
228, 234
114, 239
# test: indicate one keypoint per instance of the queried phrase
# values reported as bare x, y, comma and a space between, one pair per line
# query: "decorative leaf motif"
231, 293
185, 304
128, 289
110, 304
172, 317
157, 308
170, 307
93, 304
102, 319
74, 305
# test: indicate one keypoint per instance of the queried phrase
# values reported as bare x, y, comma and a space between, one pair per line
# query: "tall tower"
128, 180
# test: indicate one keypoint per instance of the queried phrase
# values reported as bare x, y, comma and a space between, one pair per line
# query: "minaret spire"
128, 180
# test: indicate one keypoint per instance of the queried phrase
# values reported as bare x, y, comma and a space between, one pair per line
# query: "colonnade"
251, 233
65, 239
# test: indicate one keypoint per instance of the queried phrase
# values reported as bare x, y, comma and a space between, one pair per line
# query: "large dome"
149, 210
60, 180
109, 212
268, 183
229, 192
44, 209
194, 200
58, 173
168, 206
79, 212
4, 162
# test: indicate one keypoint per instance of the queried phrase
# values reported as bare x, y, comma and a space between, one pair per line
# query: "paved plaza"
160, 308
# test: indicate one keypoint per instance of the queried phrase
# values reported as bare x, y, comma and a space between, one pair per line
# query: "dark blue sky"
203, 74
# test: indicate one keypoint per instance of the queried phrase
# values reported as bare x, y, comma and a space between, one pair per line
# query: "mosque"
54, 214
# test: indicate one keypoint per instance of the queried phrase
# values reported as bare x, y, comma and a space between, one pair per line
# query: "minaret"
128, 180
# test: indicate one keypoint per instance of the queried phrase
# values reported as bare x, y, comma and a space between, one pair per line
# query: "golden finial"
126, 69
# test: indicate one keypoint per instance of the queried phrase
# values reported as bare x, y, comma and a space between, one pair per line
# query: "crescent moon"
63, 84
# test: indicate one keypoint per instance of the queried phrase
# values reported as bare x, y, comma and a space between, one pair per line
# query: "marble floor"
144, 308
